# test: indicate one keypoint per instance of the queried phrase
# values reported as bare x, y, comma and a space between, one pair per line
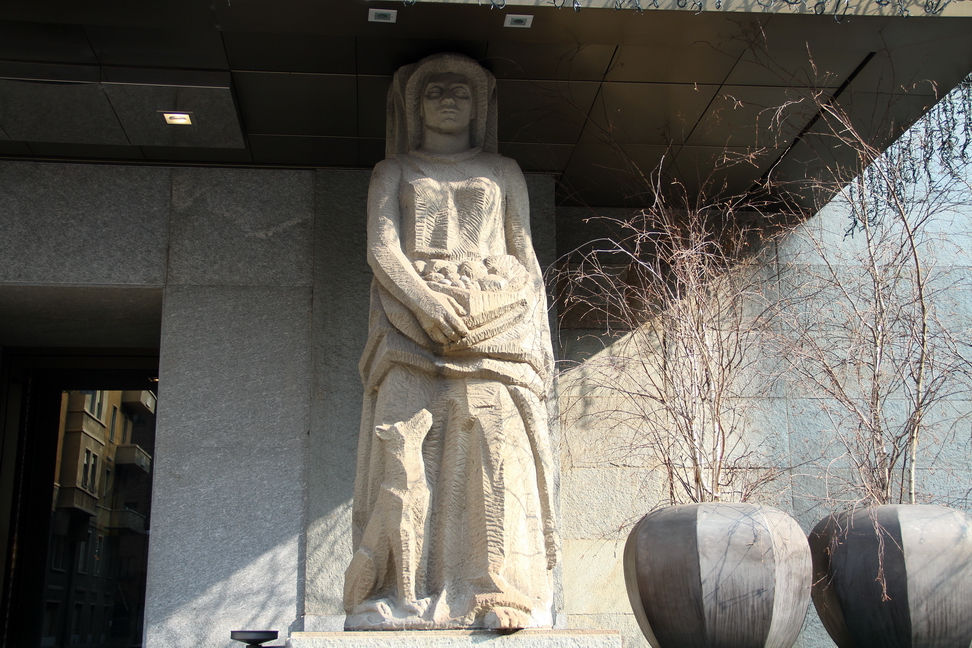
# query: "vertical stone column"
233, 413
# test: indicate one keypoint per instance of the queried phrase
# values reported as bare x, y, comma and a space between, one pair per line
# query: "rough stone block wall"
609, 483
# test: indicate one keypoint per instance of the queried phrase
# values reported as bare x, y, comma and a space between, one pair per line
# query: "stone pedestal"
458, 639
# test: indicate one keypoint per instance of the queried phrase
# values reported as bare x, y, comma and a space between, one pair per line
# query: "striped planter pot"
896, 576
718, 575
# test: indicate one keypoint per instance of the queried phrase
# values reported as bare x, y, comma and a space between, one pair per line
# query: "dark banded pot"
896, 576
718, 575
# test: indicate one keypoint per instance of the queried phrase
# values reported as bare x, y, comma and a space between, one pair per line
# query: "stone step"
531, 638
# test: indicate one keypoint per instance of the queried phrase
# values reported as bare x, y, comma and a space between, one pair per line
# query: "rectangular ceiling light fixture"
524, 21
383, 15
179, 118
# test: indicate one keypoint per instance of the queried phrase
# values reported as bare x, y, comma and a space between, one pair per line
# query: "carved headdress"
403, 130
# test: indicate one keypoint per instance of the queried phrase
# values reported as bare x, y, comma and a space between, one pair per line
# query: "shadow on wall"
247, 599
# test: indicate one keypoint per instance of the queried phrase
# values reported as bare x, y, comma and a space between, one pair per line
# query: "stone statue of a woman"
453, 523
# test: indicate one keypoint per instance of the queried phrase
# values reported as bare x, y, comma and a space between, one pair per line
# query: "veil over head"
403, 129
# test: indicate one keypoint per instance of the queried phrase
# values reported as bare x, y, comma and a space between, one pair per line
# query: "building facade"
235, 275
95, 581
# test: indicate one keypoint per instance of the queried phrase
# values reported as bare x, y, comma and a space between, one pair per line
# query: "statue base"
528, 638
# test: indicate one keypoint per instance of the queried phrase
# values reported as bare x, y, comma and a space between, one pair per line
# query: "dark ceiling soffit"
166, 77
58, 72
139, 109
68, 73
117, 106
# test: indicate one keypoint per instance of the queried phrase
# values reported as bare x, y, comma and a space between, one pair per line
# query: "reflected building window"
99, 547
93, 480
85, 469
58, 549
94, 589
95, 403
83, 554
76, 620
52, 618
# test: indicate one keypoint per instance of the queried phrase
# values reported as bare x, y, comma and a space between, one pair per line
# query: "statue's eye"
434, 92
461, 92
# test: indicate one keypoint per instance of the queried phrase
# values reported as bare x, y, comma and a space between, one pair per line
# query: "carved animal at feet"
395, 532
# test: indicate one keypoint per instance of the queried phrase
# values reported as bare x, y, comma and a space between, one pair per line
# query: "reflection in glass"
94, 587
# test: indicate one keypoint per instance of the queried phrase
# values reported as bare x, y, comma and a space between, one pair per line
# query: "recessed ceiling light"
383, 15
524, 21
181, 118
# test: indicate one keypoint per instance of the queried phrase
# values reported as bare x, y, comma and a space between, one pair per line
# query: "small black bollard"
253, 638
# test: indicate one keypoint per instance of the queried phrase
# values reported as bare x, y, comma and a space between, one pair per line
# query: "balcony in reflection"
94, 591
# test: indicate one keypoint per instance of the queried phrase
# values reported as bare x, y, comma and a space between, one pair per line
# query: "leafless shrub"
864, 327
679, 287
684, 288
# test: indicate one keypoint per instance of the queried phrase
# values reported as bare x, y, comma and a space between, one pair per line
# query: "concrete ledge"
532, 638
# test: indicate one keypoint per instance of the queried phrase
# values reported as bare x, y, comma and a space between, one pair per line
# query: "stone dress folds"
475, 516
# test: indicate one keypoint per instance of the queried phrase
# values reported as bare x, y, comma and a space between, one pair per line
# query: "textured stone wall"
234, 416
609, 483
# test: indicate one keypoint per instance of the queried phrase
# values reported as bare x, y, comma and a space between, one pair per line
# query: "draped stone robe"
474, 517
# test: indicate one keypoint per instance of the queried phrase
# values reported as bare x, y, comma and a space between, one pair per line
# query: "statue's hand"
441, 318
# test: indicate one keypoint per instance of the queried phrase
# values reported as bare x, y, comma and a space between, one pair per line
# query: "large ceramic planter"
894, 576
718, 575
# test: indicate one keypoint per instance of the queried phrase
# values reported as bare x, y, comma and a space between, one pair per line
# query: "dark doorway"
78, 433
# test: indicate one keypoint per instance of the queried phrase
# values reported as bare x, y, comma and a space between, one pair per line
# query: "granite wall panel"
228, 503
241, 227
83, 224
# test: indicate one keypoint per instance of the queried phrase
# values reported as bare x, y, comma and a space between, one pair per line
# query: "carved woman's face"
447, 103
